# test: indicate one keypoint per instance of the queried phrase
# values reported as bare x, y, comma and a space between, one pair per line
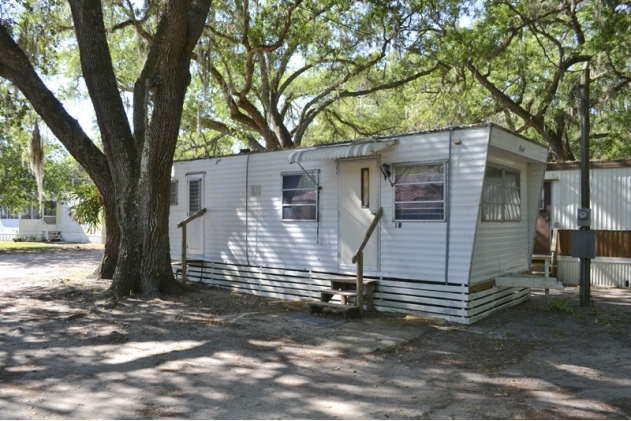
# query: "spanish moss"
36, 162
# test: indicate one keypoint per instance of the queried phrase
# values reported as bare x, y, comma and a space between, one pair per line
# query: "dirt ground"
67, 353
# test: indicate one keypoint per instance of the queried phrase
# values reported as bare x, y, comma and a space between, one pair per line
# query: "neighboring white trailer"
56, 225
459, 208
610, 191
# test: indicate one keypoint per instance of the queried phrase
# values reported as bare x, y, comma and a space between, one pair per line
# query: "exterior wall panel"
605, 272
505, 247
418, 249
250, 248
610, 191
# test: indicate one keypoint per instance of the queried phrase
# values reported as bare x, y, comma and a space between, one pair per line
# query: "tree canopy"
518, 65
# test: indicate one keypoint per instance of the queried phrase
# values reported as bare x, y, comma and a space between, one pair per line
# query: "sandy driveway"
215, 354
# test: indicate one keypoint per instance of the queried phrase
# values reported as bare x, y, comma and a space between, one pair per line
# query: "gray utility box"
584, 244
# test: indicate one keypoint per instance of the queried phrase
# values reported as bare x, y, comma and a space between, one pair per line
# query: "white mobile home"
459, 209
610, 191
55, 224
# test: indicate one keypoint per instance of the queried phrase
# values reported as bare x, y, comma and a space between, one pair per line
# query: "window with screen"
300, 197
501, 201
194, 196
419, 192
173, 196
365, 187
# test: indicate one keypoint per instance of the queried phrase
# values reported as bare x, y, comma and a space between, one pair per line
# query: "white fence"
7, 236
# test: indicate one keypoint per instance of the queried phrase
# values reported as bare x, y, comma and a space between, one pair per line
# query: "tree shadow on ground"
66, 354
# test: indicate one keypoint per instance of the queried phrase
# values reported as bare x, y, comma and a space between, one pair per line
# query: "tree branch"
16, 67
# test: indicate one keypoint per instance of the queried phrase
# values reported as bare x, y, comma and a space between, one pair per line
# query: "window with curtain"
419, 192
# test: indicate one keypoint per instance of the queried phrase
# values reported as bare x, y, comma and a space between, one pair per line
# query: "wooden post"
183, 226
360, 282
359, 259
184, 253
547, 275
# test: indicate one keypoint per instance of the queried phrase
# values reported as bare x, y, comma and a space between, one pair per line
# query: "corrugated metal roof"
576, 165
340, 151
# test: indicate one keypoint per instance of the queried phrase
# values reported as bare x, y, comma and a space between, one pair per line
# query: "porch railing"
359, 259
183, 226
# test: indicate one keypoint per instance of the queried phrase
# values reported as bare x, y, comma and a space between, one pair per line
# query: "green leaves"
85, 205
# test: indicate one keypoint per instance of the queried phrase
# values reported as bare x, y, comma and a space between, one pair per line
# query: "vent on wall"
255, 190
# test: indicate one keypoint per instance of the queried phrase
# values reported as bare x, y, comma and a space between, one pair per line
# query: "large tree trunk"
112, 240
118, 141
133, 176
127, 274
141, 166
183, 22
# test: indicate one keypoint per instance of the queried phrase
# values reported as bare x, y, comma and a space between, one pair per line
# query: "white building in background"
610, 191
459, 209
54, 224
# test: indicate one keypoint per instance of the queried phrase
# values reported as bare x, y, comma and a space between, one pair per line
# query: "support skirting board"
452, 302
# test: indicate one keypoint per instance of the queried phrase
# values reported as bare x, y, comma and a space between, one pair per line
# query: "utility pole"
585, 261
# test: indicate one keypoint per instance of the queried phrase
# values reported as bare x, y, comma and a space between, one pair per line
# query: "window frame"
444, 182
49, 208
315, 175
365, 188
504, 203
171, 196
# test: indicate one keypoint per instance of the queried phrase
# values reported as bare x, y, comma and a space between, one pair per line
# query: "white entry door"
195, 228
359, 201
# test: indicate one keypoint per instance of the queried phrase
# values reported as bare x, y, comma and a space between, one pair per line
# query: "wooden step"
188, 261
352, 281
348, 293
327, 294
349, 311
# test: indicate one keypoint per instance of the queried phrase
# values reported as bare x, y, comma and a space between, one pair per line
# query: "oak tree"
132, 173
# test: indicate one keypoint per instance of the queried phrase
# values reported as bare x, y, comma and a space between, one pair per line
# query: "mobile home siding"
500, 247
303, 245
413, 250
610, 191
248, 247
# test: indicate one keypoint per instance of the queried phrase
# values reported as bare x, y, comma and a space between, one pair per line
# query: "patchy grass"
25, 245
562, 305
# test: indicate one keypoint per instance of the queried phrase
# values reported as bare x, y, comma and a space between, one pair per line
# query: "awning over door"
353, 150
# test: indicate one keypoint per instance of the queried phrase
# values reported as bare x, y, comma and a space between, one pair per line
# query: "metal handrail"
359, 259
183, 226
